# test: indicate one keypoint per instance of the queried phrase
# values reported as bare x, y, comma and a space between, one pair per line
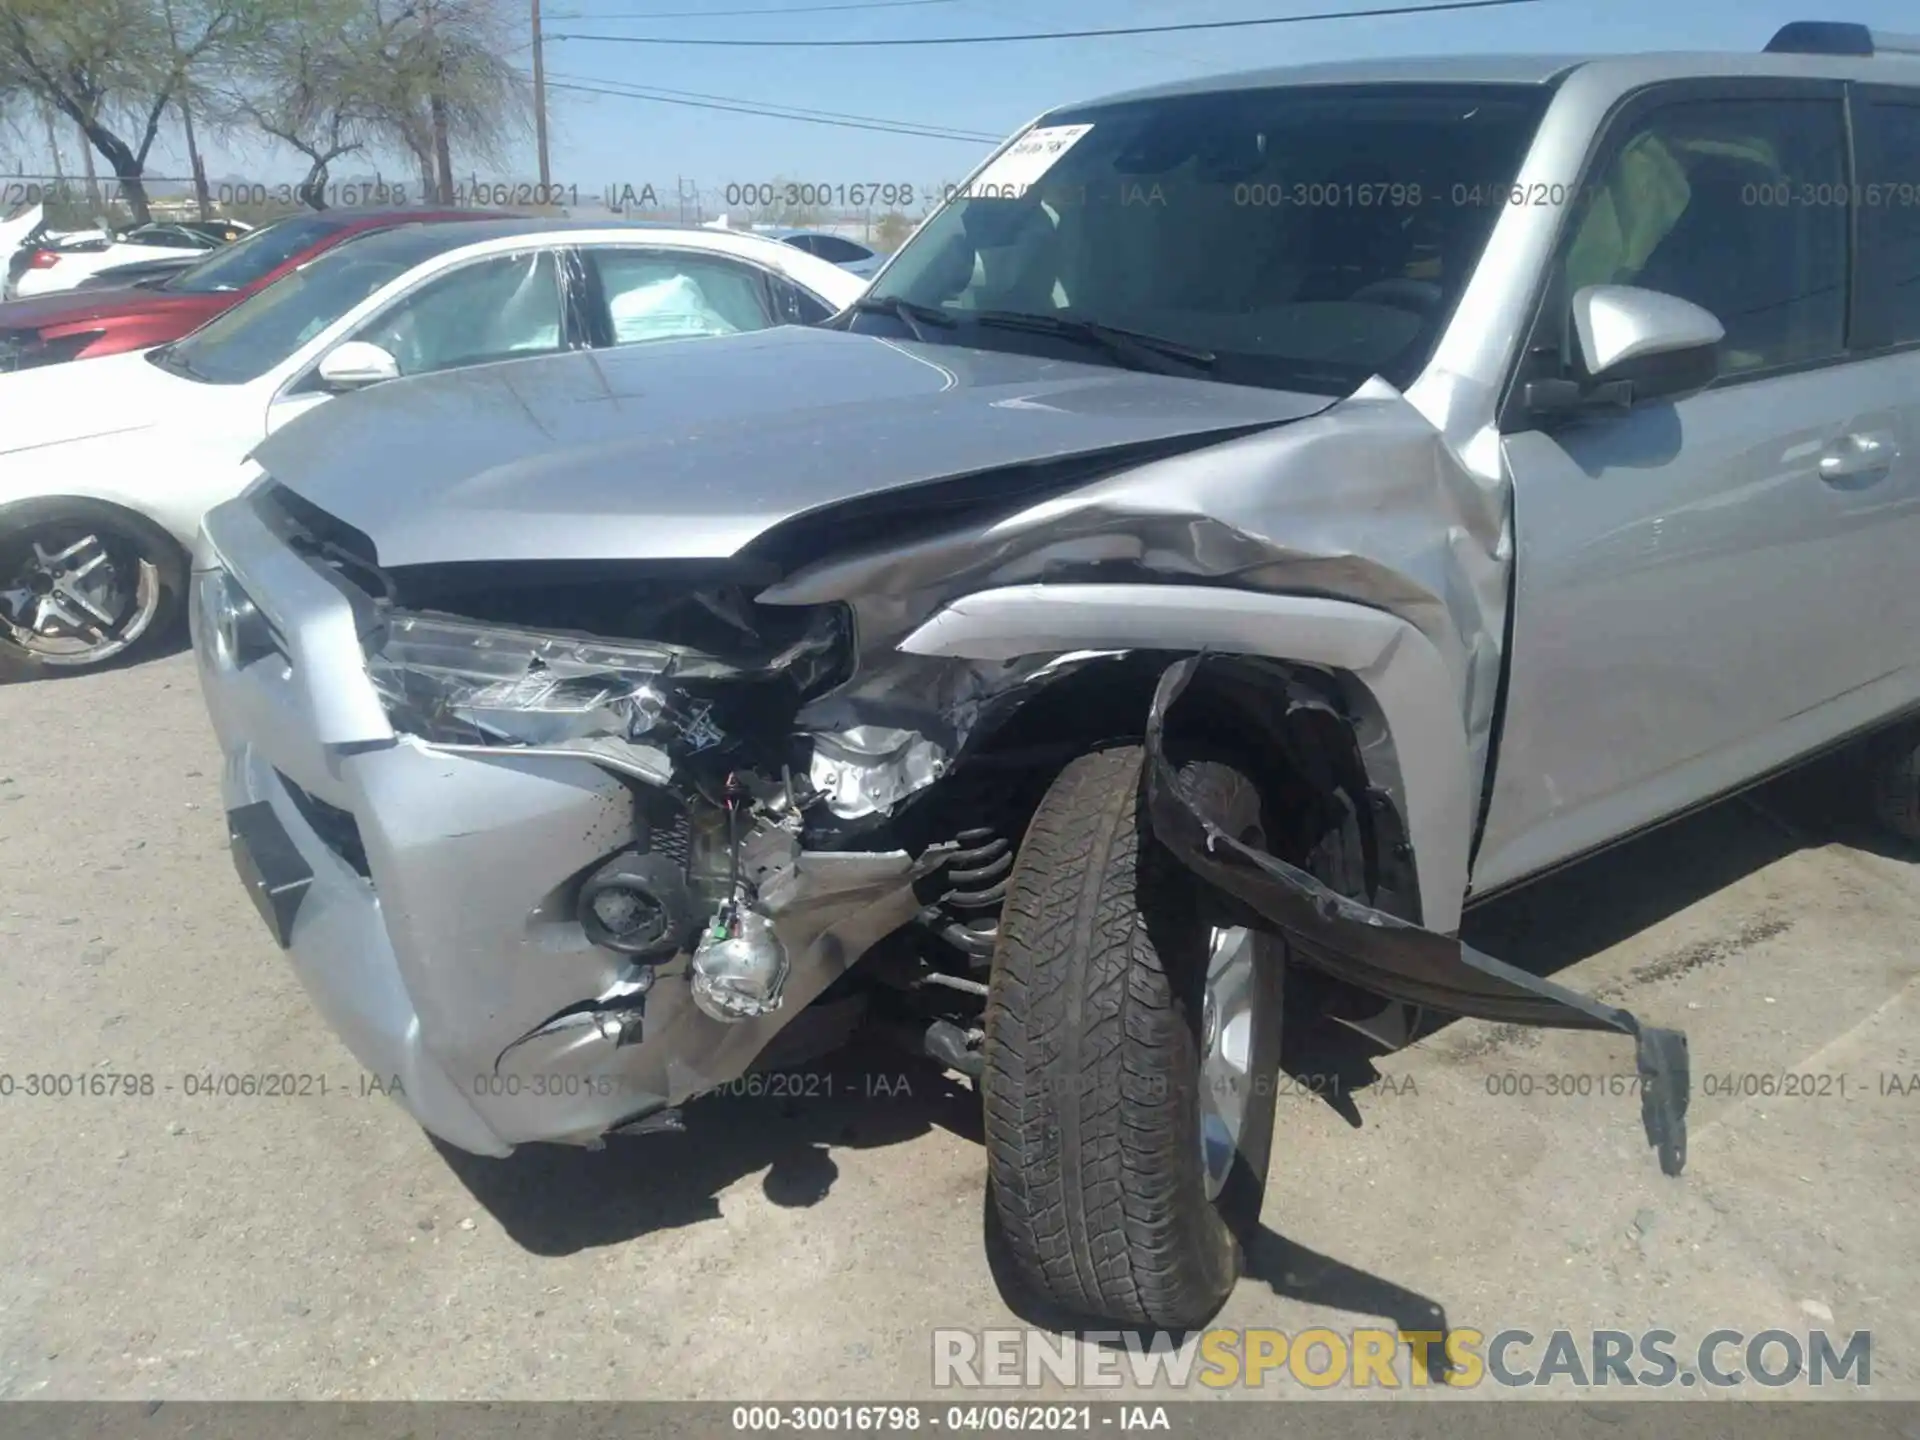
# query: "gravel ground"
321, 1247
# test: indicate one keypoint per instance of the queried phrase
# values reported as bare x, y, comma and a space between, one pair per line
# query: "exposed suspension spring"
968, 911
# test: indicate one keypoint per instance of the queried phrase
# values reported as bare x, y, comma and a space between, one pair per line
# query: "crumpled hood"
116, 393
692, 449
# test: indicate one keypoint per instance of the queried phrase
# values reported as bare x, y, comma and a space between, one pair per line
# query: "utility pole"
540, 105
186, 121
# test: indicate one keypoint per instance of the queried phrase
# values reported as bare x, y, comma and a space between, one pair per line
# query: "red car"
86, 324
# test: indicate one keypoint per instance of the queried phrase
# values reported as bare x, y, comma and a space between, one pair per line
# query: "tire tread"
1086, 1042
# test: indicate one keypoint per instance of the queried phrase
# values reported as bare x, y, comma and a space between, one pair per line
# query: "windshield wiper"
1129, 347
909, 313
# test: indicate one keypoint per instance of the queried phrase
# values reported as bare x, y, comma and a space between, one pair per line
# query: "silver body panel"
1691, 616
1700, 592
696, 452
452, 948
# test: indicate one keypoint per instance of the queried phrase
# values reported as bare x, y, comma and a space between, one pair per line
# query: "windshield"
1301, 238
236, 266
264, 329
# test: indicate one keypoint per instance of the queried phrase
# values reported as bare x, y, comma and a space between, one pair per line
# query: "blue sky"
994, 89
601, 140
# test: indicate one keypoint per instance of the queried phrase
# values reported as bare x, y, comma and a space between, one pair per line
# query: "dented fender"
1398, 666
1379, 952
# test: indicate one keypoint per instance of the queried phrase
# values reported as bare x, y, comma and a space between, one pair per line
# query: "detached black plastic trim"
277, 877
1391, 957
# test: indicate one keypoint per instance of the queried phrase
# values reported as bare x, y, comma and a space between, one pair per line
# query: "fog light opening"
638, 904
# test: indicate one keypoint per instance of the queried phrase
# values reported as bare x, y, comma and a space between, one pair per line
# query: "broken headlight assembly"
463, 682
231, 624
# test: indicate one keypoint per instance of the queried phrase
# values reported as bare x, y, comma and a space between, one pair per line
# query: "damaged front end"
747, 818
823, 745
700, 726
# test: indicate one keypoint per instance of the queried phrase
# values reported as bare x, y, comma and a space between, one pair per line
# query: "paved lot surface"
321, 1247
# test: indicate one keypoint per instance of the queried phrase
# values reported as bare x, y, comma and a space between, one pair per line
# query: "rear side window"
1887, 141
674, 294
798, 307
1737, 205
168, 237
840, 252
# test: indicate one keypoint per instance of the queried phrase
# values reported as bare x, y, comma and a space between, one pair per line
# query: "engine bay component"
639, 904
739, 968
864, 769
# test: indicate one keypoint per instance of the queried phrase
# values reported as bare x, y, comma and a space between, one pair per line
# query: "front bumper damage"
1389, 956
426, 895
449, 948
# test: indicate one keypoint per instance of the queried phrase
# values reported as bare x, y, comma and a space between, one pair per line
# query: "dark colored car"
224, 231
197, 238
86, 324
138, 272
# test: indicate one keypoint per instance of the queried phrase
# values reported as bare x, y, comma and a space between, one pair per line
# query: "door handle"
1865, 454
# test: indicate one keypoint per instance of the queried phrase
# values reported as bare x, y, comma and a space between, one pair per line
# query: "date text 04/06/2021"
108, 1084
761, 1085
888, 1419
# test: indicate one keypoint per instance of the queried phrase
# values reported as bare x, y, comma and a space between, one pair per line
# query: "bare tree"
890, 231
312, 80
446, 85
112, 68
19, 122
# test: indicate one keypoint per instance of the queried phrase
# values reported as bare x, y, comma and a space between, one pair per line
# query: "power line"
1442, 5
776, 10
883, 126
788, 112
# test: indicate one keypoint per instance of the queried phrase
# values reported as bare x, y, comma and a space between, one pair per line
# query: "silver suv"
1251, 521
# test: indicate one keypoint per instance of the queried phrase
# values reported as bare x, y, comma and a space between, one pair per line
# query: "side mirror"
1634, 345
354, 364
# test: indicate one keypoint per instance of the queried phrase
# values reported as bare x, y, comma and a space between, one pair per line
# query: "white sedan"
64, 262
106, 468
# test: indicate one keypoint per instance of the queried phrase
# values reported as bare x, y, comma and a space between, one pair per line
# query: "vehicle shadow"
556, 1200
559, 1199
1565, 918
1290, 1270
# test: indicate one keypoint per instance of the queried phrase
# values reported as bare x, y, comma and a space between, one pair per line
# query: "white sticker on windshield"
1025, 161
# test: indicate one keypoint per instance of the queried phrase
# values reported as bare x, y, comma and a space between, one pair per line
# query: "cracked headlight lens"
228, 623
463, 683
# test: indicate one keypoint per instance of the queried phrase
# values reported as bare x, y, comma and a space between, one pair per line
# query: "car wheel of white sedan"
80, 583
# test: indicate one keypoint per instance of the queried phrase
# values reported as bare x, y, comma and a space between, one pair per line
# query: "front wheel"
81, 583
1132, 1049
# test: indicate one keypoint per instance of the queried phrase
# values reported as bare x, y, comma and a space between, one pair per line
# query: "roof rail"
1838, 37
